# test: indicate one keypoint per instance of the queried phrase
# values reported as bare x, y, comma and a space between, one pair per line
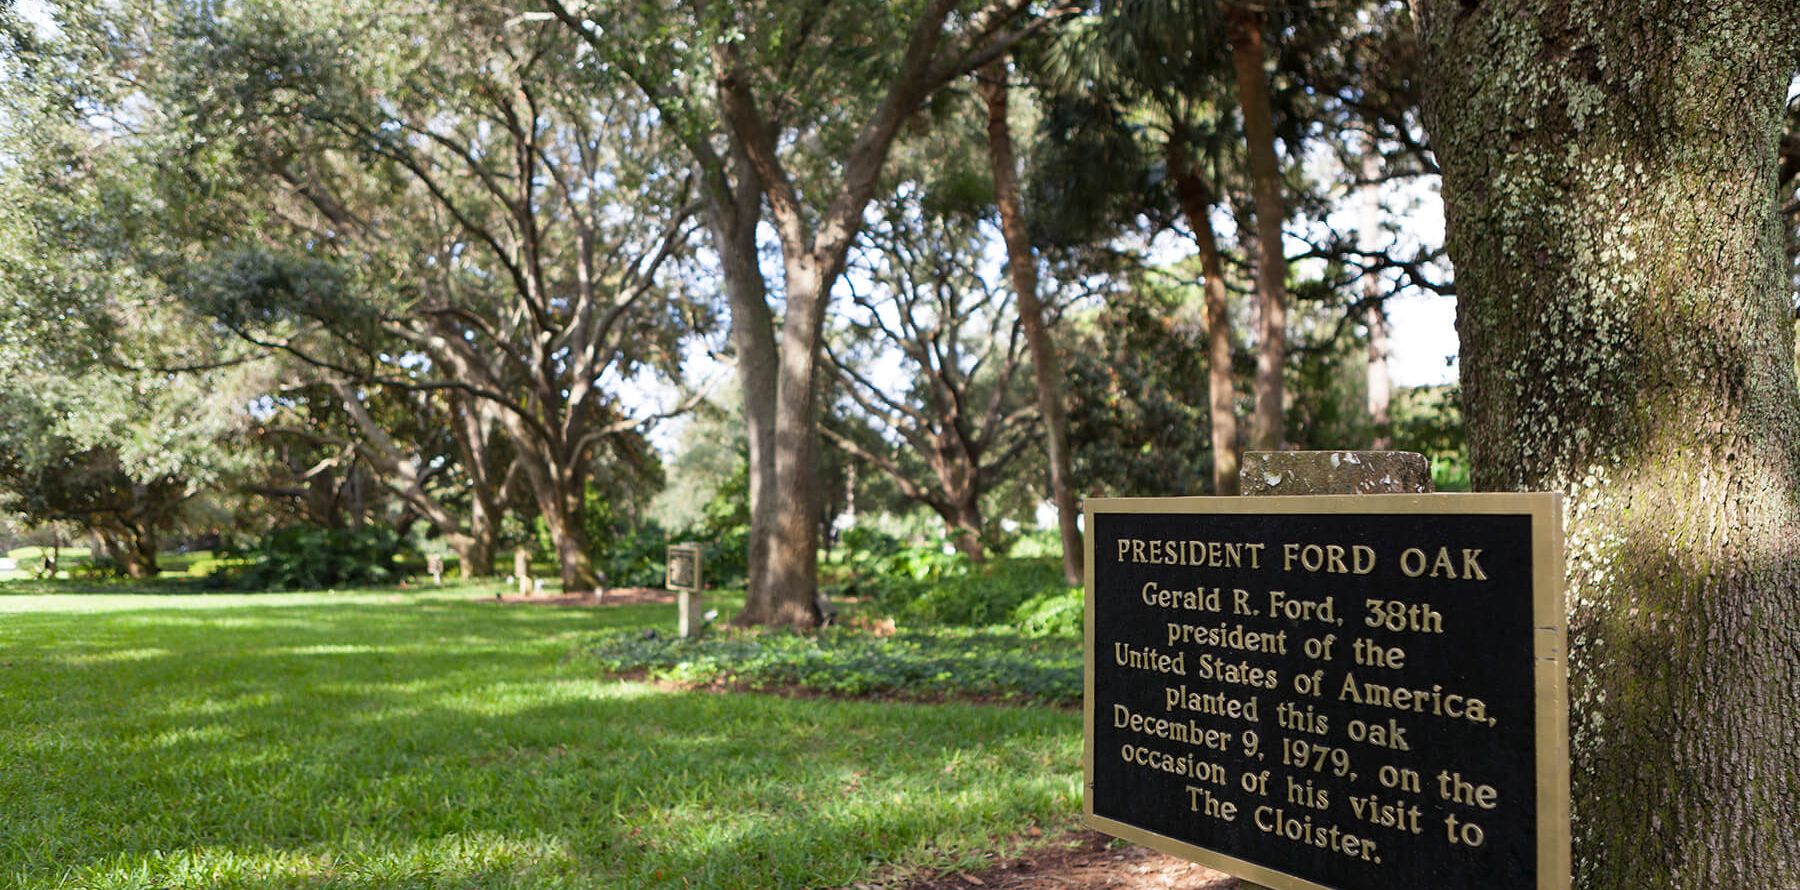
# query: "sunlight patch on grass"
213, 734
342, 649
512, 698
451, 860
113, 657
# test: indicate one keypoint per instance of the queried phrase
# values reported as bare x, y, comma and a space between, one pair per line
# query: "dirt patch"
1083, 860
621, 596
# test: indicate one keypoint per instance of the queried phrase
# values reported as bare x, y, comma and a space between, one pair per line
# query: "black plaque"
1354, 693
683, 567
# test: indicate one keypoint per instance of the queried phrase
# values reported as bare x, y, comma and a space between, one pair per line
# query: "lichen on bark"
1609, 181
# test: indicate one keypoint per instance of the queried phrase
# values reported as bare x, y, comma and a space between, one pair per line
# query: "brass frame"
1550, 651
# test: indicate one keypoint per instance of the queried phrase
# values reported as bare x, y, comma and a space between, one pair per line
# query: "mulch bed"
1081, 859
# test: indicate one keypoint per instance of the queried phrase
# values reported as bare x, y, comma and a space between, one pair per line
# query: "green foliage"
1053, 613
300, 557
1137, 371
933, 664
722, 531
98, 568
979, 595
1429, 420
1088, 171
632, 555
924, 583
1327, 378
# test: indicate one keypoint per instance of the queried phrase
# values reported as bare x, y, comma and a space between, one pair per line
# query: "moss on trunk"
1609, 179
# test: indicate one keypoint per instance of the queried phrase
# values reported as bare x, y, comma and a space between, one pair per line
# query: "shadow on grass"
440, 743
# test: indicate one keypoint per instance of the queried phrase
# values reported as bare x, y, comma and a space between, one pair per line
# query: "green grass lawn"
374, 739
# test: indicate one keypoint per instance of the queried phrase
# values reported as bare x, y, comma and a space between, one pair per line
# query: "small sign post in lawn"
684, 579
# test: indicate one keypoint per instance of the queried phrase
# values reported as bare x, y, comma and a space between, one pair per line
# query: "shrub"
924, 583
1055, 613
98, 567
304, 557
978, 595
941, 662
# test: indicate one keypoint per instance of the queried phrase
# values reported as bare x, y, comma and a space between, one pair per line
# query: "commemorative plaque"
684, 579
1332, 692
684, 567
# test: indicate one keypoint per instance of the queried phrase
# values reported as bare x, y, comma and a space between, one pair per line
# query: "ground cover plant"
929, 664
378, 738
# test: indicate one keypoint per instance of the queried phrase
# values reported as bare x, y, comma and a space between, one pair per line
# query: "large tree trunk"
131, 547
474, 555
793, 571
1244, 31
733, 210
1609, 180
558, 492
814, 252
964, 520
1046, 365
1196, 198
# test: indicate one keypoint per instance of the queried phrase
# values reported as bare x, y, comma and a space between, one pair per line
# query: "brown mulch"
1081, 860
618, 596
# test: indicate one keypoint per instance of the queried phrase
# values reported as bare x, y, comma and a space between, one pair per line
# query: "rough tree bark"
733, 209
1197, 200
1046, 365
1244, 31
1609, 179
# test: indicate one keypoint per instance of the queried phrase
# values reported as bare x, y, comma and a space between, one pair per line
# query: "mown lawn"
439, 740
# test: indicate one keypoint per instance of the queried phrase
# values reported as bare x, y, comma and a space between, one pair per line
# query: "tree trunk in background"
733, 212
474, 557
558, 493
473, 427
1046, 365
964, 521
1244, 31
1381, 387
1196, 198
792, 577
132, 548
1609, 180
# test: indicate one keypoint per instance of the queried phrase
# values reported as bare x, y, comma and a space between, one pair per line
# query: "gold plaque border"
1549, 618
